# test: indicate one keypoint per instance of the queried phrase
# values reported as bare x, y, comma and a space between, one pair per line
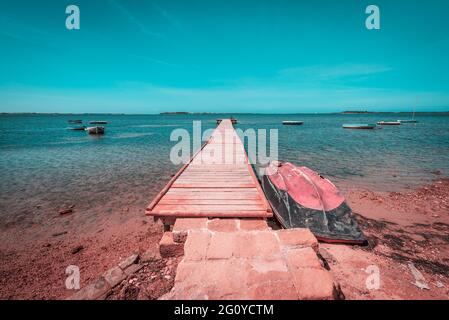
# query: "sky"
148, 56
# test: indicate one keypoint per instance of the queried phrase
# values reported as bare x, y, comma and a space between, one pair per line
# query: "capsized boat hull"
300, 198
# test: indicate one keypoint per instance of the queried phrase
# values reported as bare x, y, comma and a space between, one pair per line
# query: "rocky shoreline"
402, 228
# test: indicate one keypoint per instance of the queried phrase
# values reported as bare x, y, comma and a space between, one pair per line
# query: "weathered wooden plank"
212, 185
227, 190
222, 214
207, 207
211, 196
225, 201
209, 179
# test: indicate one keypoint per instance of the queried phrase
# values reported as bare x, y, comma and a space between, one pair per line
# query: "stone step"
184, 225
256, 264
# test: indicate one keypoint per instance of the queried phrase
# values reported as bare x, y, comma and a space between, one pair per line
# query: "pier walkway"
217, 182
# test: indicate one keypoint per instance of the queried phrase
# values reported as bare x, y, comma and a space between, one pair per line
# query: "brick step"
222, 260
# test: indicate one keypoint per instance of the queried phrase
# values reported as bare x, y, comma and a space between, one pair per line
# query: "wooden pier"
218, 182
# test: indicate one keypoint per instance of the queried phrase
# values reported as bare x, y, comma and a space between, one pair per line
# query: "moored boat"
292, 123
389, 123
301, 198
98, 122
408, 121
95, 130
75, 121
364, 126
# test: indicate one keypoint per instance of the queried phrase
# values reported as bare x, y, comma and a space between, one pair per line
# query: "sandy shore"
33, 268
401, 227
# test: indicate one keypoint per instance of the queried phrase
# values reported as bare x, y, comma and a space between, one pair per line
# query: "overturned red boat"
301, 198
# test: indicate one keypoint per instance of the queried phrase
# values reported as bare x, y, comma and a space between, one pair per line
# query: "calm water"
44, 164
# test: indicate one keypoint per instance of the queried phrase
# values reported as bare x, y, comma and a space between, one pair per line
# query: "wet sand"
401, 227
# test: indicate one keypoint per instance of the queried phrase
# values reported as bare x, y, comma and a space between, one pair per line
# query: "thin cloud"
335, 72
169, 18
15, 29
133, 20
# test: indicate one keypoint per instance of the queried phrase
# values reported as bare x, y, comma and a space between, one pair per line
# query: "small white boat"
95, 130
389, 123
359, 126
98, 122
292, 123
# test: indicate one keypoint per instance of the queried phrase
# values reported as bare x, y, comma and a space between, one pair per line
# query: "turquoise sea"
42, 164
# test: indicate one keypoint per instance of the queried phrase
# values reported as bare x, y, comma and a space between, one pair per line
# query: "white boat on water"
292, 123
98, 122
389, 123
95, 130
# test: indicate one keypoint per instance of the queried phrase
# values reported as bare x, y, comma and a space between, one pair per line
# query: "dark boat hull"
332, 226
292, 123
95, 130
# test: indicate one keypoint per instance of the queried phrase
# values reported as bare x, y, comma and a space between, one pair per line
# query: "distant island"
174, 113
356, 112
401, 112
184, 113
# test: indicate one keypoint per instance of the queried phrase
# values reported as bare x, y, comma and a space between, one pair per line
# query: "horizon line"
348, 112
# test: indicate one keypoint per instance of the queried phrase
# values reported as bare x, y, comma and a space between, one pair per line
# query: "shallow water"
44, 164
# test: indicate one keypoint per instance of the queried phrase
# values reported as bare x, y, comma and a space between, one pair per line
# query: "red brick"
195, 248
190, 272
278, 290
168, 248
303, 258
183, 225
225, 279
256, 244
262, 271
151, 255
221, 246
222, 225
253, 224
313, 284
92, 291
114, 276
298, 238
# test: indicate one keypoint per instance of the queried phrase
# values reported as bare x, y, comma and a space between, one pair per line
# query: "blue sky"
148, 56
